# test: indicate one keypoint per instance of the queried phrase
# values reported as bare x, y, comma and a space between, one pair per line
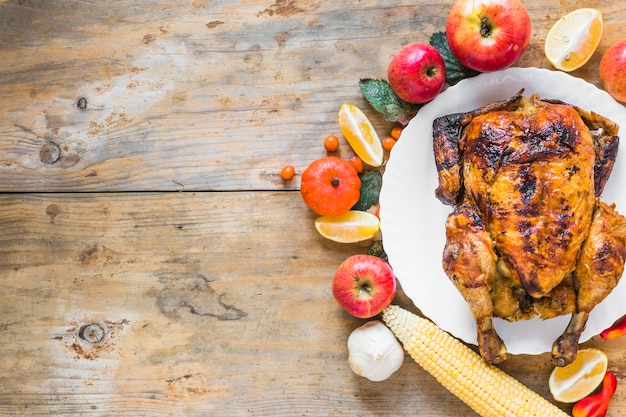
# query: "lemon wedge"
580, 378
361, 135
353, 226
574, 38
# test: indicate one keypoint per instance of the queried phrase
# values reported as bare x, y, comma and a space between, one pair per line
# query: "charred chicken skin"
528, 235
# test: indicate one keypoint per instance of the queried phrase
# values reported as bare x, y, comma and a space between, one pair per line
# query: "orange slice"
580, 378
574, 38
361, 135
353, 226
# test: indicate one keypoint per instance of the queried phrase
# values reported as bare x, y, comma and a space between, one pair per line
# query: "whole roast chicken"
529, 235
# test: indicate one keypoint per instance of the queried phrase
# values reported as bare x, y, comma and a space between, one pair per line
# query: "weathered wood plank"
212, 303
203, 313
201, 95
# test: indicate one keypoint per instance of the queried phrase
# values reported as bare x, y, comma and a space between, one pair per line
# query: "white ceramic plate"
413, 219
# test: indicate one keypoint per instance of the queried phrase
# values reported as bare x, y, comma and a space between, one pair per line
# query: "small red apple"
417, 73
364, 285
613, 71
488, 35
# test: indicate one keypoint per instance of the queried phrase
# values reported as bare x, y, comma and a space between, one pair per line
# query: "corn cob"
488, 390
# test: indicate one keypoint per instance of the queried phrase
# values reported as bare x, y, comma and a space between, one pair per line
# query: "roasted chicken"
529, 235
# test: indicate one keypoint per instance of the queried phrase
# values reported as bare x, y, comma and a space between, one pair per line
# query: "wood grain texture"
140, 145
202, 313
202, 95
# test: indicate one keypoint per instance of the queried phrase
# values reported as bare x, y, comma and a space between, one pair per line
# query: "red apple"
488, 35
417, 73
364, 285
613, 71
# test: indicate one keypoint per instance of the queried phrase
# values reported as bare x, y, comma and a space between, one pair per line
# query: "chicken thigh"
528, 235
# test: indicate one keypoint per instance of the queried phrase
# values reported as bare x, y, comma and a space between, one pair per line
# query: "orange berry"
287, 173
396, 132
331, 143
388, 143
357, 164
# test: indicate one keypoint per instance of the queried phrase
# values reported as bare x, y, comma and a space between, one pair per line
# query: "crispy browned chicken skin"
528, 236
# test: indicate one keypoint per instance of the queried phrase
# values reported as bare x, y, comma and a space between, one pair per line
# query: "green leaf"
376, 249
371, 183
455, 71
384, 100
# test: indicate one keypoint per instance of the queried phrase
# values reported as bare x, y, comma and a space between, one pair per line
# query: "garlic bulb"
374, 352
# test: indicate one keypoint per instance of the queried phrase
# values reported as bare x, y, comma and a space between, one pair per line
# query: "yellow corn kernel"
488, 390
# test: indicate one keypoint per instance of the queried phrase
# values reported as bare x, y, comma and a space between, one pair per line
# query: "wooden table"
152, 262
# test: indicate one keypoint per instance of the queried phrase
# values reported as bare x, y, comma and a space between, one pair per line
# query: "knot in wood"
92, 333
50, 153
81, 103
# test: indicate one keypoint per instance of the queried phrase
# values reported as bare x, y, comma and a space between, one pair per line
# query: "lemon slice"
353, 226
580, 378
361, 135
574, 38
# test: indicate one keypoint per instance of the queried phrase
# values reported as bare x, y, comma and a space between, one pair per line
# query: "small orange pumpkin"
330, 186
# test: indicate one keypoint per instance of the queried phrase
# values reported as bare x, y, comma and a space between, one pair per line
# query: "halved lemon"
580, 378
574, 38
353, 226
361, 135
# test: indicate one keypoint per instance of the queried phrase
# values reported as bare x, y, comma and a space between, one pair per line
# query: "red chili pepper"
597, 404
616, 330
